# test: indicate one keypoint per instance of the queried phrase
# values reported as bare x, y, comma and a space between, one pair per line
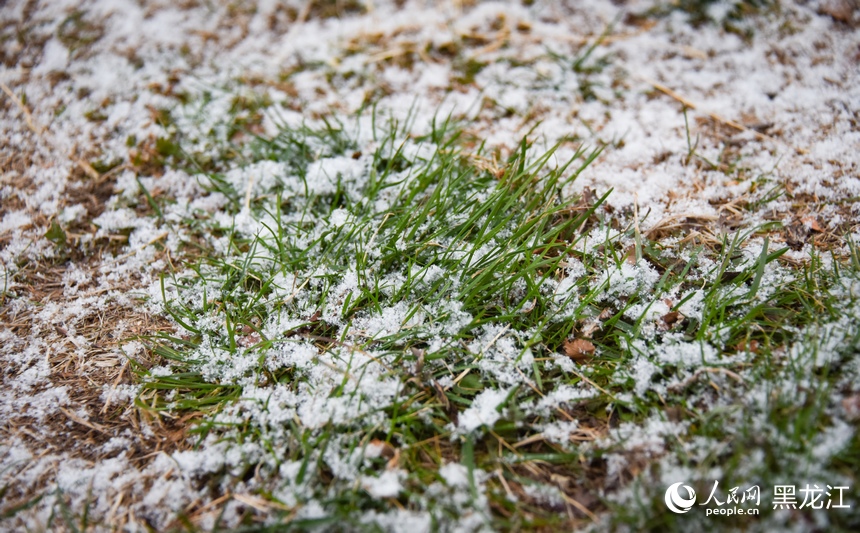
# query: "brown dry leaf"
670, 319
580, 350
674, 413
630, 254
248, 340
810, 222
838, 10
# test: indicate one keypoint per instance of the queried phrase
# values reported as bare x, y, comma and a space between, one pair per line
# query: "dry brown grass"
83, 353
88, 364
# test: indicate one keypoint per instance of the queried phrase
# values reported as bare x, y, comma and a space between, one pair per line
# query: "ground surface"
428, 265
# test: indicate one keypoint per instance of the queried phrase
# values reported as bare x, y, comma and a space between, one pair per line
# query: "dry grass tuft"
89, 365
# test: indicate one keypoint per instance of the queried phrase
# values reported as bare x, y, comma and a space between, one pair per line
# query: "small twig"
507, 487
296, 291
92, 425
579, 506
40, 131
593, 384
728, 122
86, 167
665, 222
113, 389
493, 341
464, 373
259, 503
248, 190
537, 437
502, 37
140, 248
458, 379
505, 443
350, 347
677, 387
115, 506
722, 120
28, 117
391, 53
214, 503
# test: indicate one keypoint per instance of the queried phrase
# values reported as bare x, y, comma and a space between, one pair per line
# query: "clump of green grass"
387, 284
783, 424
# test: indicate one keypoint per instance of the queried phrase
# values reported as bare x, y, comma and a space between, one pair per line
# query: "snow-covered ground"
697, 122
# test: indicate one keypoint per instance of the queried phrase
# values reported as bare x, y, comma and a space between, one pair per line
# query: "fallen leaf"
671, 318
674, 413
630, 254
248, 340
838, 10
580, 350
811, 223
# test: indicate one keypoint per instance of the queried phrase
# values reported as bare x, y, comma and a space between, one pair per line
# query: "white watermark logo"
677, 503
681, 498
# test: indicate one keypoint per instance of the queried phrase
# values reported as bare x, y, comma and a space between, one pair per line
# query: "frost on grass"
323, 329
356, 336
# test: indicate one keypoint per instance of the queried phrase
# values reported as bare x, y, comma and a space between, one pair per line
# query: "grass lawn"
452, 266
